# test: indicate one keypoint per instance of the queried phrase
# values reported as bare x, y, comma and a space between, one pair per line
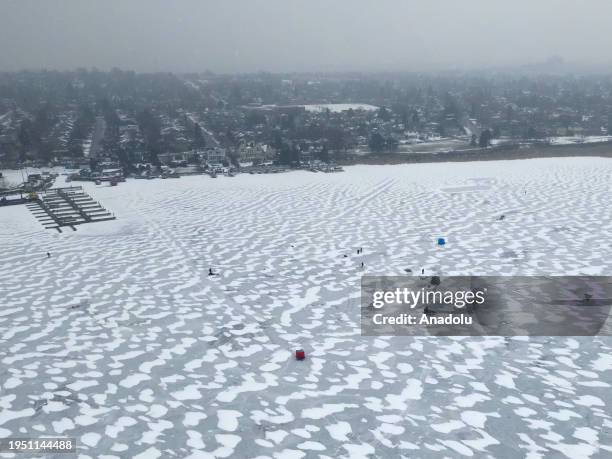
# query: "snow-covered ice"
123, 341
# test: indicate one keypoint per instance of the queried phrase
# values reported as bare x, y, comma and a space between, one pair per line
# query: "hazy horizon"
278, 36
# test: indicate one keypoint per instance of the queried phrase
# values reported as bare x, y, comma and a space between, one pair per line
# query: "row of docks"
67, 207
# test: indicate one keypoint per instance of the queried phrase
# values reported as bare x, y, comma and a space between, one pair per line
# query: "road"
209, 138
97, 136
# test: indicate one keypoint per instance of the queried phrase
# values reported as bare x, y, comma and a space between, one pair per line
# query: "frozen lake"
122, 340
339, 107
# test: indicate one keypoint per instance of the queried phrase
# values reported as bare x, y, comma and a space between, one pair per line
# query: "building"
182, 157
112, 173
215, 155
251, 152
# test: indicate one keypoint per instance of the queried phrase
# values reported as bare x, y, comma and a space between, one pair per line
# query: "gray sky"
300, 35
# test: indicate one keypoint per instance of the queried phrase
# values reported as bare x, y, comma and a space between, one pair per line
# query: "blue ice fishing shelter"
441, 241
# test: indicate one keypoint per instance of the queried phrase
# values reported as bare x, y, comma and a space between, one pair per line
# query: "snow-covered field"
123, 341
335, 108
579, 140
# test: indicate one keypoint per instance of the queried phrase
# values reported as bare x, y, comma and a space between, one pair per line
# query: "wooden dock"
67, 207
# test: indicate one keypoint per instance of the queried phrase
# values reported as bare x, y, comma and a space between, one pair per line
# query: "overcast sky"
305, 35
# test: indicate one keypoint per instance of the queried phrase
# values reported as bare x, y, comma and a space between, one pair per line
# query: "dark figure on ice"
210, 272
362, 265
48, 255
423, 271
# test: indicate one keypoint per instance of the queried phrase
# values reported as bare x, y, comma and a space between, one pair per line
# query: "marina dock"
67, 207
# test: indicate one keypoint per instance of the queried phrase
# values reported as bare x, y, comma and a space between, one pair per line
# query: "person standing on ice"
48, 255
210, 272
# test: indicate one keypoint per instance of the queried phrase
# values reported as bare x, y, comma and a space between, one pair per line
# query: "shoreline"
603, 150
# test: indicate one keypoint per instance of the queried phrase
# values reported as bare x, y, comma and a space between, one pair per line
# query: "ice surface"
161, 360
228, 420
